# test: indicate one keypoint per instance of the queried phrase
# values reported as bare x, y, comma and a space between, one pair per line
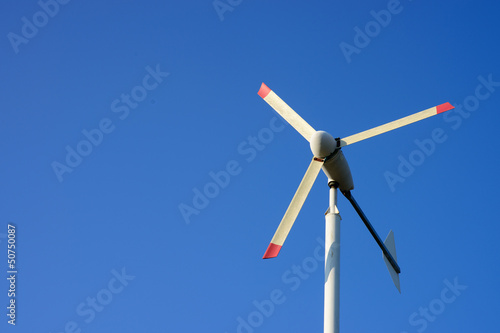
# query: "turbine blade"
294, 208
391, 246
396, 124
286, 112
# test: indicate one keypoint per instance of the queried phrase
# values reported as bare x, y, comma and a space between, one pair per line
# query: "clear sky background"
102, 244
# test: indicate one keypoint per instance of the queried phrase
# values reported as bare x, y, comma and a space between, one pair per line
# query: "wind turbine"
328, 156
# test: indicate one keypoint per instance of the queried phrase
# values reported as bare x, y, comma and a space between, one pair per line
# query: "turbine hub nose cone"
322, 144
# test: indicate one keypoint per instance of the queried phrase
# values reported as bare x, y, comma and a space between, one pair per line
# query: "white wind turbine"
328, 156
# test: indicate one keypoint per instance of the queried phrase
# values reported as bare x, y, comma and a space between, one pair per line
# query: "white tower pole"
332, 263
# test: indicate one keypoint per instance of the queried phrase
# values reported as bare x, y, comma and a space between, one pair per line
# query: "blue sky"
115, 115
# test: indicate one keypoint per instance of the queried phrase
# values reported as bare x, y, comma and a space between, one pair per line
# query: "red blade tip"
272, 251
444, 107
264, 91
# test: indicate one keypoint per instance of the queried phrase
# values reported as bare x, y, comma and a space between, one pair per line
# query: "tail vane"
391, 246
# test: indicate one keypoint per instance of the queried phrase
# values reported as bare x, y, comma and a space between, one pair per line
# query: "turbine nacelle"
324, 146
